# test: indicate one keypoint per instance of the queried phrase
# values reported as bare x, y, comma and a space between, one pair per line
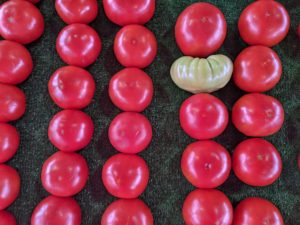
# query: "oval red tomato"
6, 218
9, 142
257, 69
257, 115
70, 130
71, 87
135, 46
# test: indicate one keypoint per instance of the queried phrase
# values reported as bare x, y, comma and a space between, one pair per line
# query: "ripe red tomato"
77, 11
78, 45
254, 211
20, 21
130, 132
9, 142
12, 103
126, 13
125, 176
71, 87
264, 23
70, 130
56, 210
257, 115
203, 202
6, 218
135, 46
131, 89
200, 29
203, 116
9, 185
257, 69
127, 211
206, 164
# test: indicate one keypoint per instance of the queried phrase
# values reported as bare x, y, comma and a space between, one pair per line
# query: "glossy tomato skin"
200, 29
254, 211
77, 11
6, 218
9, 185
206, 164
130, 132
125, 13
135, 46
9, 142
12, 103
70, 130
203, 202
264, 23
71, 87
125, 176
20, 21
56, 210
131, 90
127, 211
257, 115
257, 69
78, 45
203, 116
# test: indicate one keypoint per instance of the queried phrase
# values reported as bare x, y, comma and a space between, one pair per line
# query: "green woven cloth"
167, 188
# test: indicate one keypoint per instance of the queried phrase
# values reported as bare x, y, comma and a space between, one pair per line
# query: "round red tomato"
56, 210
257, 69
200, 29
125, 176
130, 132
71, 87
264, 23
9, 185
135, 46
257, 115
203, 202
131, 90
78, 45
127, 211
64, 174
203, 116
253, 211
9, 141
206, 164
6, 218
20, 21
15, 63
12, 103
129, 12
70, 130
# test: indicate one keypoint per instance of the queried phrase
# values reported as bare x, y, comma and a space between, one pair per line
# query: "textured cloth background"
167, 188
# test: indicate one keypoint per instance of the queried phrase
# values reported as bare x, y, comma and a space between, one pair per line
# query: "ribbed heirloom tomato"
9, 141
6, 218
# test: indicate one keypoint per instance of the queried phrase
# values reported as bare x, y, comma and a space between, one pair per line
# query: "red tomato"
33, 1
20, 21
9, 185
257, 69
127, 211
9, 142
207, 206
64, 174
77, 11
206, 164
12, 103
125, 176
71, 87
15, 63
264, 23
254, 211
200, 29
6, 218
257, 115
129, 12
130, 132
135, 46
203, 116
55, 210
131, 89
78, 45
70, 130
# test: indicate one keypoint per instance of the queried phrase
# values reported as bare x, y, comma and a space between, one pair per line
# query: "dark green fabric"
167, 188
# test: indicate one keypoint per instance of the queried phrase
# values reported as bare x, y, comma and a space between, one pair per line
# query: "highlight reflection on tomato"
9, 141
6, 218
